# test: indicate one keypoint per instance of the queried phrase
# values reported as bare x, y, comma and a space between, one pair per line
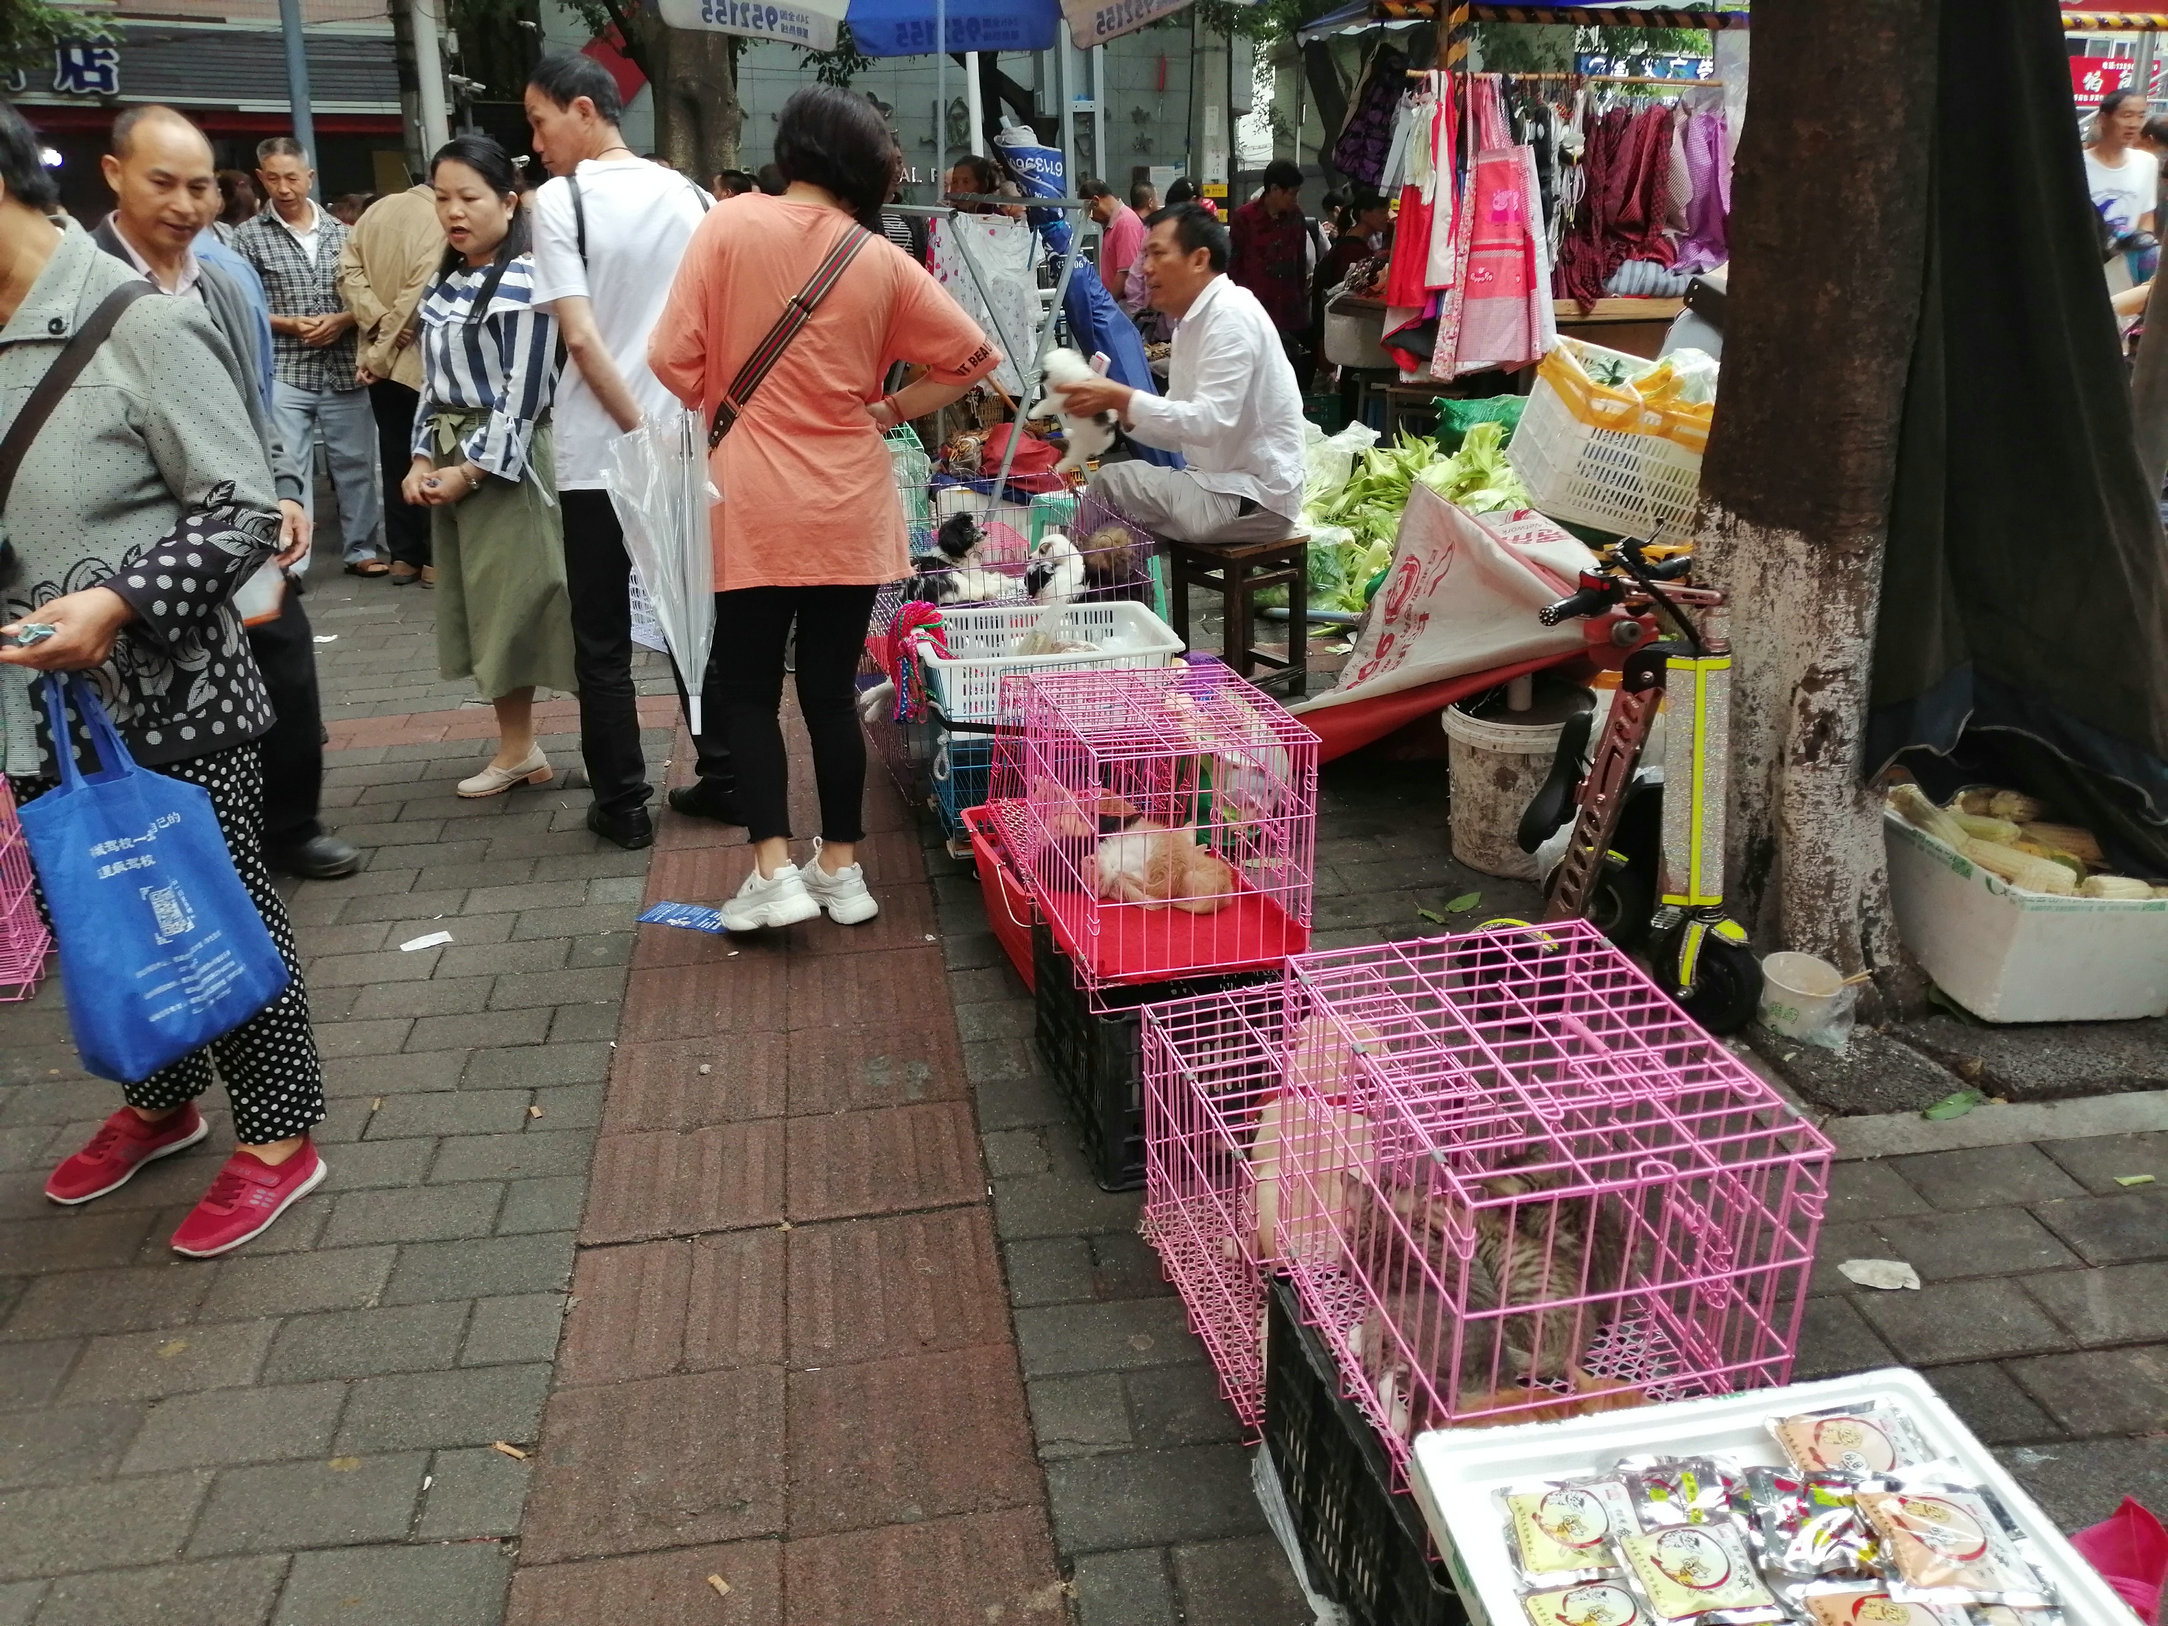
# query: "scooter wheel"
1620, 904
1727, 981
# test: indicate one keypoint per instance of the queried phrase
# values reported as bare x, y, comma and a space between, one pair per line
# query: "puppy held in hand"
1085, 437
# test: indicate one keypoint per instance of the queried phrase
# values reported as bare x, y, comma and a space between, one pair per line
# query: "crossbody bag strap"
795, 316
579, 217
67, 367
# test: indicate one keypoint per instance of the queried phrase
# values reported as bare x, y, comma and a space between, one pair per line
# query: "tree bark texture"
1828, 234
694, 74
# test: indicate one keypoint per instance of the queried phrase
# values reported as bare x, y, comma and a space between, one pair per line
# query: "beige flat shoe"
496, 781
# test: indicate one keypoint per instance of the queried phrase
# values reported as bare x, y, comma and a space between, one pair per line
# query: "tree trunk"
1829, 239
694, 75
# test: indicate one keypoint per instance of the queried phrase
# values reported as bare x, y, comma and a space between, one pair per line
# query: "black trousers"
598, 576
293, 752
406, 525
752, 624
711, 750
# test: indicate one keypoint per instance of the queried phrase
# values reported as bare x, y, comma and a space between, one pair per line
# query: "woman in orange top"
809, 525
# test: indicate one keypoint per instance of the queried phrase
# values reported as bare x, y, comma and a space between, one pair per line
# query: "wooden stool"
1238, 571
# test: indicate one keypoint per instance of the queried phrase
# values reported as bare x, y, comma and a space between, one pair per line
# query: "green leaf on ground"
1430, 915
2134, 1179
1465, 902
1954, 1106
1935, 996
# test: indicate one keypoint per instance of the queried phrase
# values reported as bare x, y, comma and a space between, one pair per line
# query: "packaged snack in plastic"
1948, 1542
1593, 1603
1563, 1530
1699, 1572
1875, 1438
1684, 1490
1877, 1608
1809, 1527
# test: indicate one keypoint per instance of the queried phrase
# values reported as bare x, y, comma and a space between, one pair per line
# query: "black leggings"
751, 626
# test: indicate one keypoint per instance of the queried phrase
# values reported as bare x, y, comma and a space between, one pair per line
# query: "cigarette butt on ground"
722, 1587
512, 1451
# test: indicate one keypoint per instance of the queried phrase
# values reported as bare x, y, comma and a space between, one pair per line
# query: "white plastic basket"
966, 683
1631, 484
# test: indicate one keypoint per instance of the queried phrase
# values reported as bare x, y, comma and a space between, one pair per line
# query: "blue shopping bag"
161, 948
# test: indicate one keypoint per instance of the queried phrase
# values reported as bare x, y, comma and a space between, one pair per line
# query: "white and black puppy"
1056, 572
1087, 437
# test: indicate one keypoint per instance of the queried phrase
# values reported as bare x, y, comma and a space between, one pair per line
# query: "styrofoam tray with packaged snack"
1464, 1480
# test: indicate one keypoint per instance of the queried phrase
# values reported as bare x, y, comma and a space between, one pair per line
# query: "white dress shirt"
1232, 407
187, 283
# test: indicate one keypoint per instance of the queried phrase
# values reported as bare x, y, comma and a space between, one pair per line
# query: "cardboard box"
2010, 956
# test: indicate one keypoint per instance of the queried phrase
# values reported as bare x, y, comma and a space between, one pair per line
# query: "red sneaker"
245, 1198
123, 1145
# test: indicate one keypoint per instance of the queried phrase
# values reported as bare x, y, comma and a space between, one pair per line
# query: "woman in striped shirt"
482, 459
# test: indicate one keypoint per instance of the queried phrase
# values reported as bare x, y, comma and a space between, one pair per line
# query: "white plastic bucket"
1498, 764
1798, 991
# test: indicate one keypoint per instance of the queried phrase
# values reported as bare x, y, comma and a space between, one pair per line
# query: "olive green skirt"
503, 616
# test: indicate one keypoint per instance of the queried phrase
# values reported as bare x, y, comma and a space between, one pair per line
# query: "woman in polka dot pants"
140, 506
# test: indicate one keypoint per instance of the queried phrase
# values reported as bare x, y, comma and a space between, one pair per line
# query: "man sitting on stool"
1231, 408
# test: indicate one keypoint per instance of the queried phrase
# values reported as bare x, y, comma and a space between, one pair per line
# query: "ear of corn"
1915, 809
1988, 802
2021, 870
2069, 838
2070, 861
2113, 886
1982, 828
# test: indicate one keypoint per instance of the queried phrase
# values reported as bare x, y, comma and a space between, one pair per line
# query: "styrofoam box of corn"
1455, 1472
2010, 956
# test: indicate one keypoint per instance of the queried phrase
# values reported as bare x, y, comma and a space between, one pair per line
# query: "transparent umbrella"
658, 483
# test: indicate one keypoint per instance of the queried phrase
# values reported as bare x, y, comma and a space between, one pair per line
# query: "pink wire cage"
1171, 821
24, 940
1525, 1186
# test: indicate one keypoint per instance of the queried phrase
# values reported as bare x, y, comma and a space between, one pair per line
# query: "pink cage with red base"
1170, 822
24, 940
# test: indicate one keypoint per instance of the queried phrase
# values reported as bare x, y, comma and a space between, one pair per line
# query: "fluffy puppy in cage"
955, 575
1525, 1251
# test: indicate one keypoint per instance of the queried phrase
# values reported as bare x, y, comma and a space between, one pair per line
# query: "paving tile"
364, 1343
74, 1239
479, 1031
376, 1164
856, 991
1992, 1405
323, 1503
484, 1268
62, 1529
569, 1106
2122, 1229
1987, 1177
289, 1284
907, 1285
519, 1327
889, 1065
458, 1585
218, 1592
660, 1184
659, 1085
1125, 1266
699, 1001
94, 1301
1118, 1336
534, 1154
474, 1406
62, 1444
450, 1112
227, 1426
2119, 1305
1870, 1191
472, 1493
1983, 1242
456, 997
1128, 1588
1077, 1416
2102, 1391
553, 1204
1962, 1321
659, 1462
706, 1304
2081, 1482
1834, 1341
2095, 1162
886, 1161
1180, 1405
1049, 1270
1060, 1205
907, 1439
658, 1588
552, 1065
421, 1070
31, 1373
989, 1567
1238, 1583
1138, 1498
576, 1024
434, 1213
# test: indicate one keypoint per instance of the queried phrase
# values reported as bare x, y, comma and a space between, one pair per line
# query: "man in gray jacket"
165, 190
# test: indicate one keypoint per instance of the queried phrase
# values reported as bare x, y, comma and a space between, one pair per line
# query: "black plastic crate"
1093, 1045
1366, 1547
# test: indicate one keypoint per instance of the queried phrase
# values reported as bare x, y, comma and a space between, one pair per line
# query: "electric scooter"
1645, 863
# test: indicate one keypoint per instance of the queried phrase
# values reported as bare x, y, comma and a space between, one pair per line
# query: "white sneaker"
779, 900
842, 894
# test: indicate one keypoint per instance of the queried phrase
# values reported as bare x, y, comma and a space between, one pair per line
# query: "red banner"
2092, 77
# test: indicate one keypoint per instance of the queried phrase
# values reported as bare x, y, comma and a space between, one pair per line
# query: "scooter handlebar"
1588, 601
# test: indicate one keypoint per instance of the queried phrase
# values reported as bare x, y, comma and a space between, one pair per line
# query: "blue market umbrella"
914, 27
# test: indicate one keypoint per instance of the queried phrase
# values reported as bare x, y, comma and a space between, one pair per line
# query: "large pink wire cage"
1171, 821
24, 940
1532, 1187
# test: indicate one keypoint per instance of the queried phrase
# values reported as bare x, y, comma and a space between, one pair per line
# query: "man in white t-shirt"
2122, 177
609, 230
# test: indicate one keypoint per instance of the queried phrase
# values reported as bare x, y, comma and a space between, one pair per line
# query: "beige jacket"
389, 259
